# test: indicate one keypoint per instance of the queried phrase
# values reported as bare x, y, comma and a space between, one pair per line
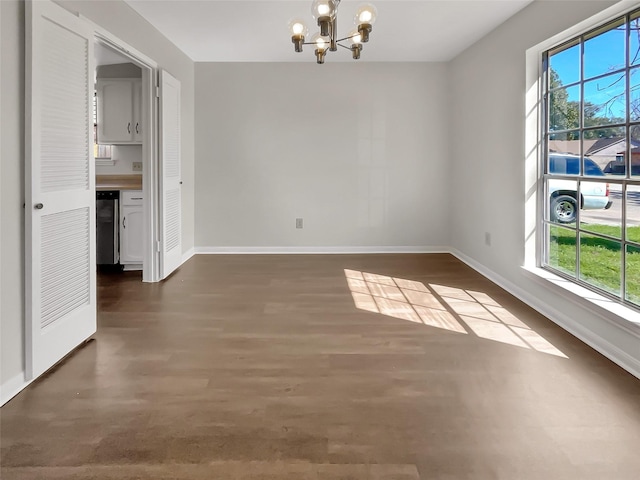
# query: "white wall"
123, 156
357, 150
12, 192
488, 90
122, 21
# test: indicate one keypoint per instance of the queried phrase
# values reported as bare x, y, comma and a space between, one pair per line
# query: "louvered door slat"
64, 104
170, 167
172, 219
68, 263
65, 272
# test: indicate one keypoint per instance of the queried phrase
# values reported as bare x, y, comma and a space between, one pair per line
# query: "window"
591, 219
101, 153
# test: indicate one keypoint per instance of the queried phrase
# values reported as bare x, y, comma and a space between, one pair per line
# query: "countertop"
118, 182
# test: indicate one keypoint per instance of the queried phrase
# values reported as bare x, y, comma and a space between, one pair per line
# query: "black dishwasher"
107, 208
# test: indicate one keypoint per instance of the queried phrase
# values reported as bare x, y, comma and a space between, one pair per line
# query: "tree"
564, 114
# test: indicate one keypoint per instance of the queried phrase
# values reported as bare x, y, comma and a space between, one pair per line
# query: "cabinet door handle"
137, 131
38, 206
124, 222
136, 198
129, 127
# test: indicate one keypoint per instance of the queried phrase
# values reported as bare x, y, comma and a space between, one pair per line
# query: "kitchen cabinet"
119, 109
131, 227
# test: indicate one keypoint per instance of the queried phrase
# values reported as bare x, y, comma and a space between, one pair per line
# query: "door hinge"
157, 91
157, 245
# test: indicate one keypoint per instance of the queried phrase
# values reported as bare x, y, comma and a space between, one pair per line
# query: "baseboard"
315, 250
188, 254
131, 267
12, 387
606, 348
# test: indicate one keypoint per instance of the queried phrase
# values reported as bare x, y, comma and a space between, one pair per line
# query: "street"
614, 214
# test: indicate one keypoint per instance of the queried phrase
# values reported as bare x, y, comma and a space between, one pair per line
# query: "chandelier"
325, 12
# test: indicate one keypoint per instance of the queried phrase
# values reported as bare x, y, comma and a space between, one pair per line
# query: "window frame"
543, 221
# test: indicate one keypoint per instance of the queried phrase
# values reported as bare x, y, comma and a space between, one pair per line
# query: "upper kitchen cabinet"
119, 110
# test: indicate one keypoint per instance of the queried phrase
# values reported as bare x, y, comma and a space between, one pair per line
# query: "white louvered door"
59, 185
171, 191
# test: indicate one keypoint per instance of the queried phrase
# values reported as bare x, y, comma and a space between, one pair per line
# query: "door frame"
150, 154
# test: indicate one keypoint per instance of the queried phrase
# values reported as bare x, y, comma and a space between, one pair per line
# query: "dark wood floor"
263, 367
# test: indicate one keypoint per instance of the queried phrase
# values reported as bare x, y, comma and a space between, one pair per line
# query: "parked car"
616, 167
563, 194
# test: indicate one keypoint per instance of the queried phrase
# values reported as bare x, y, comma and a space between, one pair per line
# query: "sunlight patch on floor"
444, 307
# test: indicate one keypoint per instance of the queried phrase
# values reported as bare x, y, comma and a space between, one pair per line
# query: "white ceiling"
257, 31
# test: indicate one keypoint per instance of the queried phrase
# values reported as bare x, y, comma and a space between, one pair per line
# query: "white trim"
188, 254
115, 43
607, 309
316, 250
606, 348
13, 387
132, 267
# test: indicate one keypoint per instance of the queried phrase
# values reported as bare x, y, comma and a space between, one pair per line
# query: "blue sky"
602, 54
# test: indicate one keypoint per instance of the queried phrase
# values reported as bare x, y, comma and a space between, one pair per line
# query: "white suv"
563, 194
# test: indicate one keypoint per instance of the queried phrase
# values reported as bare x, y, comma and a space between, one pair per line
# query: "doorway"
126, 152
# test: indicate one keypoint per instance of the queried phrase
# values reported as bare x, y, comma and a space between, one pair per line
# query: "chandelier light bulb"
321, 42
298, 31
366, 14
298, 27
355, 38
321, 47
323, 8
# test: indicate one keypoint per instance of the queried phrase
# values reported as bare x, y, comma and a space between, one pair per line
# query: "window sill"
610, 310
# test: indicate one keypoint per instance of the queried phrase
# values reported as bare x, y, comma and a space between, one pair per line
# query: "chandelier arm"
344, 46
347, 38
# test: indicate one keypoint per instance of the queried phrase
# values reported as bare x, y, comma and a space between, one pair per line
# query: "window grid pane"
591, 219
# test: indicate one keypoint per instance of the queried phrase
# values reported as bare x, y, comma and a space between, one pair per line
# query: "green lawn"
600, 258
633, 233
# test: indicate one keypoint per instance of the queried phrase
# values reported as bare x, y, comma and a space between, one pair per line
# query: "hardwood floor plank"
321, 367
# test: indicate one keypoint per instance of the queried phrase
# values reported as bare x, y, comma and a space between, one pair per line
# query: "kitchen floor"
323, 367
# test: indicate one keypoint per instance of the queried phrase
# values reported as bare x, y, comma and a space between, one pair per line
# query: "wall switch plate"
298, 223
137, 166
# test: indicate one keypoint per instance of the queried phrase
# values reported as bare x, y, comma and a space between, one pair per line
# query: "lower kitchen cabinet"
131, 227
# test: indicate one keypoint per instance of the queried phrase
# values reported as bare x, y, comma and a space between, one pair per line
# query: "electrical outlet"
487, 239
137, 166
298, 223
